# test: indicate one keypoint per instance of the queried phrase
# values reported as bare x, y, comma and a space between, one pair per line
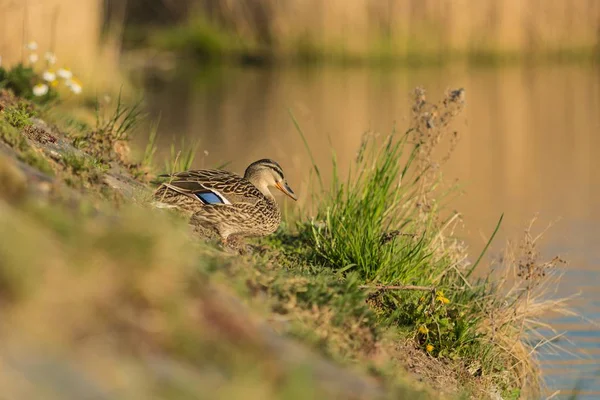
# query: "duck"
229, 204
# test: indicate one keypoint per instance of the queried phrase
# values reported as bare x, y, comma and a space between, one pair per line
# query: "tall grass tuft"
119, 123
382, 220
114, 127
151, 147
182, 159
385, 223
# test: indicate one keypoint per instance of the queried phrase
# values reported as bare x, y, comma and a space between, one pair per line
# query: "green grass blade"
487, 245
310, 154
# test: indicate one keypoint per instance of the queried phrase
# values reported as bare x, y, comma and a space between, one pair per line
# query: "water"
530, 137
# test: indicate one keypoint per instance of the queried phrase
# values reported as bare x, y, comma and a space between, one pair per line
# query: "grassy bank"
361, 295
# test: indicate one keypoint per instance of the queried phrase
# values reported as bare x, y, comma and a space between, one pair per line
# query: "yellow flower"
423, 329
429, 348
441, 298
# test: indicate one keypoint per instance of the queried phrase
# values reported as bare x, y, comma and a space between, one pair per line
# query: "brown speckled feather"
259, 219
250, 212
233, 187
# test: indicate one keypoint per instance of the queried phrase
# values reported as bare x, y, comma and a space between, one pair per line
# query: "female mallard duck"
226, 202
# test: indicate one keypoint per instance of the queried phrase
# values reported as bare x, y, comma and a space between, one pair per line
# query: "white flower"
32, 46
49, 76
64, 73
74, 85
50, 57
76, 88
33, 58
40, 89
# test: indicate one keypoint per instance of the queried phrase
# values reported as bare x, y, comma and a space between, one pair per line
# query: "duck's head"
267, 173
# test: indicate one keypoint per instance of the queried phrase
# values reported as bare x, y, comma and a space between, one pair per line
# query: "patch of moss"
11, 135
15, 139
37, 160
19, 115
82, 170
76, 162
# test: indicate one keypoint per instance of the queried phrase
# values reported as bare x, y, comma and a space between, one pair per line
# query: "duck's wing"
236, 218
213, 187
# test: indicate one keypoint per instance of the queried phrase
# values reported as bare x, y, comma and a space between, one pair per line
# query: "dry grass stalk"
513, 318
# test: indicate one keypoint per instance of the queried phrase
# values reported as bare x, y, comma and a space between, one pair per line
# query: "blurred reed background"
86, 34
396, 28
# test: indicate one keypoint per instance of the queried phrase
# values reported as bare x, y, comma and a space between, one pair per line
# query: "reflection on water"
529, 142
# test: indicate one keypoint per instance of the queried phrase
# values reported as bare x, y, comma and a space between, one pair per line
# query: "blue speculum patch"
209, 198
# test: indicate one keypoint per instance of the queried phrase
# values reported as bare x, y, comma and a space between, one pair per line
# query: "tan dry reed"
404, 27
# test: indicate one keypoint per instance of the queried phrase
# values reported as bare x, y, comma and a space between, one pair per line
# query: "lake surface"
530, 138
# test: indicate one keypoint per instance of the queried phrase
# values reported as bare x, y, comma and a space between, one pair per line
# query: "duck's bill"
287, 190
